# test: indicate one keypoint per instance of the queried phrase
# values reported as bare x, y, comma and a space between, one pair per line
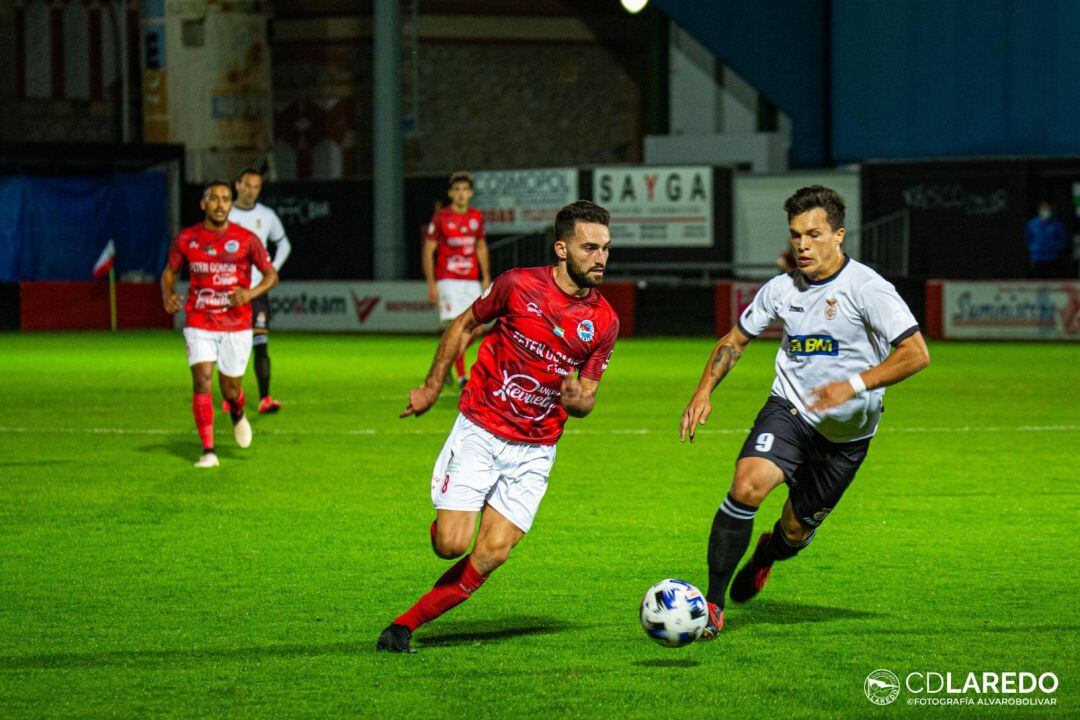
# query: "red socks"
202, 405
452, 589
459, 365
236, 407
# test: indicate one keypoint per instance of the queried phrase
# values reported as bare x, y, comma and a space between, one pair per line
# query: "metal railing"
526, 250
533, 249
885, 244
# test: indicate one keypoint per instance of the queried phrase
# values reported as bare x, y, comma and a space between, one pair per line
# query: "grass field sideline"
132, 585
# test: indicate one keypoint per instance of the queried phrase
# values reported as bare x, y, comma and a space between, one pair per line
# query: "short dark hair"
817, 196
215, 183
580, 211
460, 176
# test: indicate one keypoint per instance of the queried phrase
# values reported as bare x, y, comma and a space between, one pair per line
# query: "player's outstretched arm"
909, 357
453, 343
725, 354
169, 298
578, 395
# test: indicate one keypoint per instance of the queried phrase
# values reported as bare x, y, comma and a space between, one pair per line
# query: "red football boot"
715, 623
268, 405
751, 579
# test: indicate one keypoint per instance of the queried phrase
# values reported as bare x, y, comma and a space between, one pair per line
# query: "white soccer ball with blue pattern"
673, 613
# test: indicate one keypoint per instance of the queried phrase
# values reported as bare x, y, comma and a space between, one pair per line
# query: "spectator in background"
1046, 239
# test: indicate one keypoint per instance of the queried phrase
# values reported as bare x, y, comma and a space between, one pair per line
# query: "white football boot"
208, 460
242, 432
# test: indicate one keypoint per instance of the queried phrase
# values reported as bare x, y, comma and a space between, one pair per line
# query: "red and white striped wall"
68, 49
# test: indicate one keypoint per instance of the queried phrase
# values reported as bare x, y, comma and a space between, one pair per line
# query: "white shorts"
455, 297
476, 467
230, 350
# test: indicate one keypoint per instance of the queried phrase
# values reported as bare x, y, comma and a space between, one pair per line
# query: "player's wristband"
857, 384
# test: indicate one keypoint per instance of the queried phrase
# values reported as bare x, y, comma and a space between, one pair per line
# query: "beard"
581, 277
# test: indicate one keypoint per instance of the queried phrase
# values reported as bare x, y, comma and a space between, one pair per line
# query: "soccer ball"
673, 613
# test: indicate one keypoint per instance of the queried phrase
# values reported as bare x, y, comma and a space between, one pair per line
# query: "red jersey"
217, 263
456, 235
543, 335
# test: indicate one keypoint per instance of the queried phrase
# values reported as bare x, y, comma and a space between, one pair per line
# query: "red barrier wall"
622, 296
85, 306
732, 297
933, 310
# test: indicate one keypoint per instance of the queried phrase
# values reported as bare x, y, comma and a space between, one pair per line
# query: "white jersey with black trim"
832, 329
265, 223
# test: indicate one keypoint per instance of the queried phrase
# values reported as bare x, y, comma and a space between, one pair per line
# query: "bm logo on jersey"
813, 345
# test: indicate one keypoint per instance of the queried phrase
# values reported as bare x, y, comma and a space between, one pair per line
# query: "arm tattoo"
725, 359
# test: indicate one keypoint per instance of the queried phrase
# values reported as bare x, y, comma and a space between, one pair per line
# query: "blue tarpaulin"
55, 228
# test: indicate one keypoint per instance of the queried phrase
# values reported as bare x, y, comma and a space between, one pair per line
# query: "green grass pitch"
134, 586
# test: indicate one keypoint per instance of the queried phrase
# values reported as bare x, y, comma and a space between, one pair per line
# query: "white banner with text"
657, 206
344, 306
523, 201
1011, 310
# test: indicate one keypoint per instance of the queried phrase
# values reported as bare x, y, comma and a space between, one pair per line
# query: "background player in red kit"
553, 323
219, 256
455, 258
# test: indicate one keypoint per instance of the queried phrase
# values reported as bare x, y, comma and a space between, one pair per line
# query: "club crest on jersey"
813, 345
473, 224
232, 246
830, 308
585, 330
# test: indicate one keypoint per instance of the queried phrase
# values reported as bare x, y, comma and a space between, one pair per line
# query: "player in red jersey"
219, 256
455, 257
542, 361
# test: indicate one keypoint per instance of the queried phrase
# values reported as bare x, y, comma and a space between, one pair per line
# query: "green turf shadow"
467, 633
188, 450
37, 463
68, 661
786, 612
668, 663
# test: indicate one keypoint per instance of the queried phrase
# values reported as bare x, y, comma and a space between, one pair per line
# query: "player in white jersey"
249, 213
840, 319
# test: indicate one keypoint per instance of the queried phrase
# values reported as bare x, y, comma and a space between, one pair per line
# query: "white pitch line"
571, 431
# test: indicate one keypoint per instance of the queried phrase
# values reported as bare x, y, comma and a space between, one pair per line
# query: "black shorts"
817, 471
260, 313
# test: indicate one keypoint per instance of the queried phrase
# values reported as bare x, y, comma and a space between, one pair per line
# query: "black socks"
728, 540
779, 547
262, 368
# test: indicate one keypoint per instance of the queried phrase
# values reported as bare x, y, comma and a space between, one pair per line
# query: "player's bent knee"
794, 531
754, 480
749, 490
448, 550
487, 558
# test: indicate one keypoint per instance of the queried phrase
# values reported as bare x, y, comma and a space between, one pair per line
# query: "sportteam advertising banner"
523, 201
1006, 309
657, 206
391, 307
